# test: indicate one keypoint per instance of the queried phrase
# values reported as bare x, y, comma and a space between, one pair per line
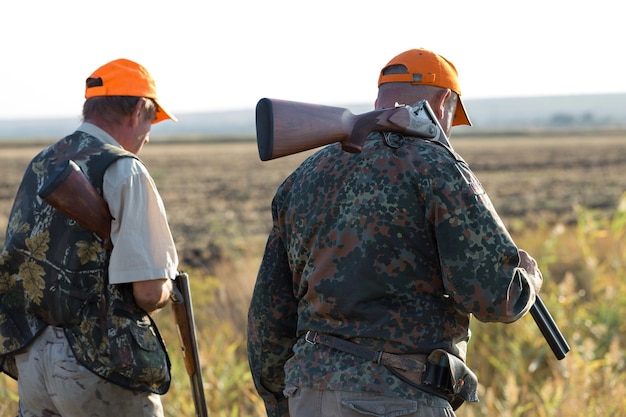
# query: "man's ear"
438, 102
136, 112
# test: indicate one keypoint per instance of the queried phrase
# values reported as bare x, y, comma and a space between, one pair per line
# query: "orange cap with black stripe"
428, 68
124, 77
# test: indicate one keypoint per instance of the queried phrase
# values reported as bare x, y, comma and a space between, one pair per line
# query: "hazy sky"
208, 55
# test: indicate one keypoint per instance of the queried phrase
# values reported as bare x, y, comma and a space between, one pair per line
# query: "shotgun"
287, 127
69, 191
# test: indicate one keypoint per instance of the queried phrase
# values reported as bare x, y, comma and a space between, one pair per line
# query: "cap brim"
162, 114
461, 117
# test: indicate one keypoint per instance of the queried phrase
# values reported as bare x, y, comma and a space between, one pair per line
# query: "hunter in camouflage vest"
54, 272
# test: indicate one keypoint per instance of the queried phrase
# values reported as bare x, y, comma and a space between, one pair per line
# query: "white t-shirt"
143, 247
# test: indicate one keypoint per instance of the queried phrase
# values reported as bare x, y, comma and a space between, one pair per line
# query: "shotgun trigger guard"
393, 140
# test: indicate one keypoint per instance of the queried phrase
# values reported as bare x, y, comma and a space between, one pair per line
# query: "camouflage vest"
54, 271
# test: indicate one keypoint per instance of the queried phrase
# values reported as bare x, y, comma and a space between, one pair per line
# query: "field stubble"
218, 197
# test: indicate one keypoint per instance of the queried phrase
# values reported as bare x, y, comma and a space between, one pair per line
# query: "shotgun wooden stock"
71, 193
287, 127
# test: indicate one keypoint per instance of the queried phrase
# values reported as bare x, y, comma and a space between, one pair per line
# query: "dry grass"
218, 197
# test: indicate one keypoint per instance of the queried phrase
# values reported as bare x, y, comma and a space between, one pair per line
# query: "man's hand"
529, 264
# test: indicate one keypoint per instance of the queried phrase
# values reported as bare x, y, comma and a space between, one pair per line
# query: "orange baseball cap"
426, 67
123, 77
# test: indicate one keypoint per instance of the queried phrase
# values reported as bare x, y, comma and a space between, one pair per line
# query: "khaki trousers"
306, 402
52, 383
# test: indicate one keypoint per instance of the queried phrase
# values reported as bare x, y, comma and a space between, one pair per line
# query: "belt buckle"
311, 340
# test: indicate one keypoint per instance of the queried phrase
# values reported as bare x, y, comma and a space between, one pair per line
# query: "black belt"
415, 363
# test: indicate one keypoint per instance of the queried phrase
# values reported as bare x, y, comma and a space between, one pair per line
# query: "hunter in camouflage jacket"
393, 248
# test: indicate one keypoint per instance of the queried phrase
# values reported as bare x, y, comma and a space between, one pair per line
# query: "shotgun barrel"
549, 329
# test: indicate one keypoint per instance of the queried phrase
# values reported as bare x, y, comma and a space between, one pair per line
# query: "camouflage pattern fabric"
55, 272
393, 248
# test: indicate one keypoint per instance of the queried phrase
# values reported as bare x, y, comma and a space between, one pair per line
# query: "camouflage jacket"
392, 248
54, 271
